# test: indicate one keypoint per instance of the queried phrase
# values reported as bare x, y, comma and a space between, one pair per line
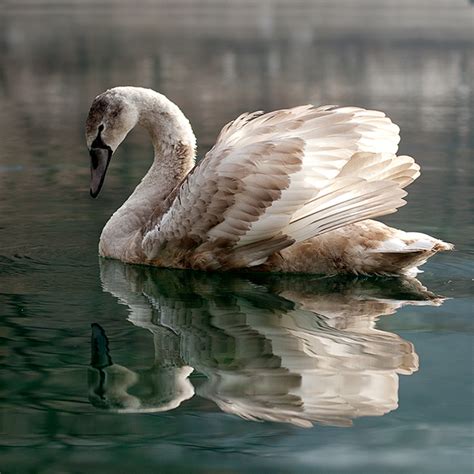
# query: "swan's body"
292, 190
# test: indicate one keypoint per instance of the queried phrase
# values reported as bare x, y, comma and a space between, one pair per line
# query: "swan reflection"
282, 348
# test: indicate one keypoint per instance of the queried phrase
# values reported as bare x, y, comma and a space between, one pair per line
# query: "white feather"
344, 174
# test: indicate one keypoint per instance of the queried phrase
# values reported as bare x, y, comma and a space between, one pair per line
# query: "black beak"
100, 159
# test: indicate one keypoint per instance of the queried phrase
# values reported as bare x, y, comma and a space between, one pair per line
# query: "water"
177, 366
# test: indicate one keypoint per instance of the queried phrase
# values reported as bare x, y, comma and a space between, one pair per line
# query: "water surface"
205, 373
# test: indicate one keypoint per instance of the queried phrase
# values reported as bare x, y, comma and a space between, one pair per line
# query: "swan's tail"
404, 252
364, 248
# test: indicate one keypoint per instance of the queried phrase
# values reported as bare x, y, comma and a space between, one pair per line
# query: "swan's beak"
100, 158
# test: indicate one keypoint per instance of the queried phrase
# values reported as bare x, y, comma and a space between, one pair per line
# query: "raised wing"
276, 178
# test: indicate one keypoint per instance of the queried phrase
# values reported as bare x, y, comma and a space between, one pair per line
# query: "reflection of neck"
173, 143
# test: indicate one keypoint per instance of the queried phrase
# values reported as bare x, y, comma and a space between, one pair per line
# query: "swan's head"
111, 116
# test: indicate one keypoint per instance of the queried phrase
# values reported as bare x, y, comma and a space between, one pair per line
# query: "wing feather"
280, 177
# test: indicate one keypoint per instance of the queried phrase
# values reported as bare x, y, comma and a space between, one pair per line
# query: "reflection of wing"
323, 374
286, 349
280, 178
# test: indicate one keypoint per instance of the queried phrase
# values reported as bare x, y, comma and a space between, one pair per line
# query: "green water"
189, 372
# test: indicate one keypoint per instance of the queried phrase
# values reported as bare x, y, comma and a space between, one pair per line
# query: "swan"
292, 190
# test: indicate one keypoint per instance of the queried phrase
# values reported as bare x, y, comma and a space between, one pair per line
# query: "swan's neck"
173, 144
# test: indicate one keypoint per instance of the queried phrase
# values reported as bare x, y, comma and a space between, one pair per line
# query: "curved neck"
174, 154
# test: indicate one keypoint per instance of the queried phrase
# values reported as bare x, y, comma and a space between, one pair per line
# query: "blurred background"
413, 59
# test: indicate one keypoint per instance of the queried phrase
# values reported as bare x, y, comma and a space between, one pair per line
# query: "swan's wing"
282, 177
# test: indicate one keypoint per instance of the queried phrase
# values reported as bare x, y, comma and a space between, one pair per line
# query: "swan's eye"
101, 127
